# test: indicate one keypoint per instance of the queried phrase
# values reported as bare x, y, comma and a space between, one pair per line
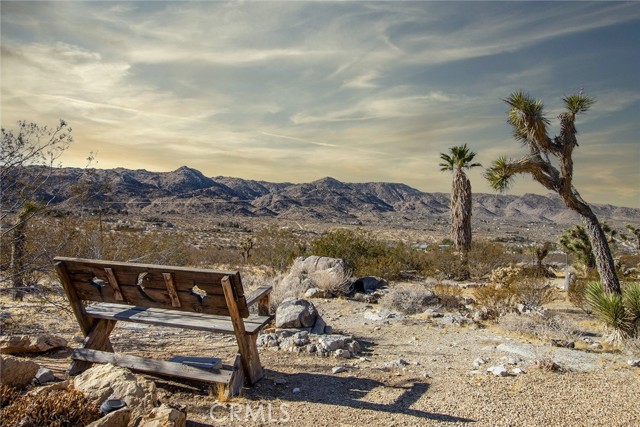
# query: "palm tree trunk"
461, 205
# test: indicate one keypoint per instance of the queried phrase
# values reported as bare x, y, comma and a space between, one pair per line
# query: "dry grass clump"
53, 408
448, 295
409, 299
331, 280
543, 327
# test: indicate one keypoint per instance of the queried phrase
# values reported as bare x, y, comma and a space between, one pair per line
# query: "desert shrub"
534, 292
444, 263
449, 296
277, 248
497, 299
484, 257
367, 255
408, 299
54, 408
619, 313
505, 275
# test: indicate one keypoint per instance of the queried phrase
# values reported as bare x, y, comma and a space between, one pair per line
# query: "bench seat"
173, 318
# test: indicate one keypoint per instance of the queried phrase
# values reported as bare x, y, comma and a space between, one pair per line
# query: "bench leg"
250, 358
97, 339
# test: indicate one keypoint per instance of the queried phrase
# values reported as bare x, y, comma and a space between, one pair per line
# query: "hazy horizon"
299, 91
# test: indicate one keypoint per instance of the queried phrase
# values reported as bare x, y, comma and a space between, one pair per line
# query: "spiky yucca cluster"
619, 313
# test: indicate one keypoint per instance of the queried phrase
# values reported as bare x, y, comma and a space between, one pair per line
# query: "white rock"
296, 390
498, 371
344, 354
479, 362
338, 369
634, 363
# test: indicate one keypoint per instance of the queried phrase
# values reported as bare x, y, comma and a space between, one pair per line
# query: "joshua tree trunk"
604, 261
461, 205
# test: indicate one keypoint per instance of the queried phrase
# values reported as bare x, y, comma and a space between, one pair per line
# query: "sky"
297, 91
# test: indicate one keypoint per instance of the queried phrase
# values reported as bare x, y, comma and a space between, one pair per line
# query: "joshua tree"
530, 128
461, 158
576, 241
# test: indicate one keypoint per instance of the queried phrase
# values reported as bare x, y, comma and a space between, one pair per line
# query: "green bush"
368, 256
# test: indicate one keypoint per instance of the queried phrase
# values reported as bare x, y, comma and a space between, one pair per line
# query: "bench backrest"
147, 285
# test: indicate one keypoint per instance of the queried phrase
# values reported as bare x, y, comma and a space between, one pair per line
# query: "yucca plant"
619, 313
631, 299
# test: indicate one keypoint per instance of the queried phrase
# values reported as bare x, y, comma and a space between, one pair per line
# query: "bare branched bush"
543, 327
449, 296
409, 299
535, 292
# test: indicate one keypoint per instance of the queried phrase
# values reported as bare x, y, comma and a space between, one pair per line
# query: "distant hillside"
187, 191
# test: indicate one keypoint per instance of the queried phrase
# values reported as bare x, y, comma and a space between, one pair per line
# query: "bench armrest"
258, 294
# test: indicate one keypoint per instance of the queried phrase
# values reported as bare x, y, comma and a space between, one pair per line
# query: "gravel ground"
439, 385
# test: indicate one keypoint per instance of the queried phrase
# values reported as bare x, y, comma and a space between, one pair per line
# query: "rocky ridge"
188, 191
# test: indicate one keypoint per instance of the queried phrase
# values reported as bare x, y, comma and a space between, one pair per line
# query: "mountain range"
187, 191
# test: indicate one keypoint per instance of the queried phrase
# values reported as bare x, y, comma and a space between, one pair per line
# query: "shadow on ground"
347, 391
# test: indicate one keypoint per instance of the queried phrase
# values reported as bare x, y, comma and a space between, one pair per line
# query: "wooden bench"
189, 298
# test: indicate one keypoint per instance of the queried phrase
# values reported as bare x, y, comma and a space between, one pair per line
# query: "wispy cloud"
293, 91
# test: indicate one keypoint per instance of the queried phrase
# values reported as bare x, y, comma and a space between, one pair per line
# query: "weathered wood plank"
246, 342
173, 318
76, 303
171, 288
98, 339
153, 366
256, 295
153, 287
117, 293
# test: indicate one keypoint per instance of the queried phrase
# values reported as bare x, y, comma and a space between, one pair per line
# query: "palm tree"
461, 158
529, 123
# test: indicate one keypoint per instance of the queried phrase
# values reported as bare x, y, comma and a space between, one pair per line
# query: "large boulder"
315, 263
30, 344
17, 372
295, 313
103, 382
